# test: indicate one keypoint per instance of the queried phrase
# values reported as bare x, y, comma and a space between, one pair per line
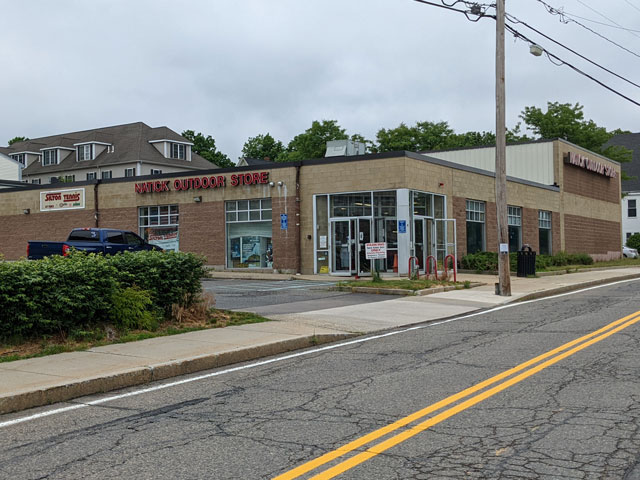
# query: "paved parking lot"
281, 296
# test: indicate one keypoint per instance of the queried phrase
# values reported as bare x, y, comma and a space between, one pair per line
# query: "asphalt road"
575, 413
281, 296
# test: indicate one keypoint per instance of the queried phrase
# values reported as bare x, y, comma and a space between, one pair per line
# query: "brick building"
316, 216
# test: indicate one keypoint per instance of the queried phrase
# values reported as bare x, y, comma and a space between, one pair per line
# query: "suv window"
115, 237
84, 236
133, 239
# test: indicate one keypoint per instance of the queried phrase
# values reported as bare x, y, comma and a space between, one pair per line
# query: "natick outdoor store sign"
582, 161
197, 183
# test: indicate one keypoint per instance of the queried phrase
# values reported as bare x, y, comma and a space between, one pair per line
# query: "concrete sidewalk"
41, 381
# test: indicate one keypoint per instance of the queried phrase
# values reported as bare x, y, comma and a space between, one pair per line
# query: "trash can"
526, 262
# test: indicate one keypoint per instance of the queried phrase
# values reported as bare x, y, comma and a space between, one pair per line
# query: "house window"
544, 232
18, 157
155, 171
159, 225
85, 152
92, 176
50, 157
514, 220
53, 180
106, 174
249, 233
631, 208
35, 181
475, 226
178, 150
69, 178
129, 172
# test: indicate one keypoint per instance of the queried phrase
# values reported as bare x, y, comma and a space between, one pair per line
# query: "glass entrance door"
419, 242
341, 240
348, 252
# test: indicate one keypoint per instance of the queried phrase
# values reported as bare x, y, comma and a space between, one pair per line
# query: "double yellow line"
551, 357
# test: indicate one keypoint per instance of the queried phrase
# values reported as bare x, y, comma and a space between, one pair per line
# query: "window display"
158, 225
249, 238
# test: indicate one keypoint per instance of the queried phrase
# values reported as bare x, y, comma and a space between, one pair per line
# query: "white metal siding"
532, 161
9, 169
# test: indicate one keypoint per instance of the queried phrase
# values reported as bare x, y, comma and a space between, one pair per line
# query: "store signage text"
62, 199
197, 183
581, 161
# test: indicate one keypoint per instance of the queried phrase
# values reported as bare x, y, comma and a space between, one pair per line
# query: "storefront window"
159, 226
249, 233
475, 226
422, 204
515, 228
544, 232
438, 207
351, 205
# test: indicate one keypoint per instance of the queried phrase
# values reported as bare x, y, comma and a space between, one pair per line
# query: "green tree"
634, 241
17, 139
313, 142
262, 146
206, 148
422, 136
567, 121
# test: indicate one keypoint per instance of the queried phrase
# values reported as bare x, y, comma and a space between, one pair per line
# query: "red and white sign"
197, 183
62, 200
375, 250
584, 162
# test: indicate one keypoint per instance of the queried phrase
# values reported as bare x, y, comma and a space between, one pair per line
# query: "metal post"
504, 279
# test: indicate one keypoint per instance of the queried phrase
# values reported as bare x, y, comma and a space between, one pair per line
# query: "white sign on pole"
375, 250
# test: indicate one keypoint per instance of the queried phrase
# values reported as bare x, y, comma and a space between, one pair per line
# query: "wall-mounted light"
197, 199
271, 184
279, 184
26, 211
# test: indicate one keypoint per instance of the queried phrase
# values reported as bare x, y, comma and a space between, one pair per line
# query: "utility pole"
504, 278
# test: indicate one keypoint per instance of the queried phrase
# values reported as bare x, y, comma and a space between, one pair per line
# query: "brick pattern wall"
120, 218
17, 230
202, 230
556, 241
530, 234
459, 205
590, 235
491, 226
589, 184
286, 242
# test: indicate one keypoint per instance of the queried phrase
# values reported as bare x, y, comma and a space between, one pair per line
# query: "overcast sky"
236, 69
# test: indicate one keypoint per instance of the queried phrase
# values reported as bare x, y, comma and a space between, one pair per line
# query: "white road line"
288, 357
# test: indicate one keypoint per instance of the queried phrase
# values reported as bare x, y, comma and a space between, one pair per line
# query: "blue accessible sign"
284, 221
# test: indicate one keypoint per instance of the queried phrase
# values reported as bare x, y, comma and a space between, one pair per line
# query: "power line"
513, 19
549, 55
607, 18
565, 19
632, 5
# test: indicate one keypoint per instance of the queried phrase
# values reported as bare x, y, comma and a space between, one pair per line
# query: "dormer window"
49, 157
85, 152
178, 150
18, 157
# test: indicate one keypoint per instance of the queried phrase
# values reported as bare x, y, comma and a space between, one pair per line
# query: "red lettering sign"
581, 161
197, 183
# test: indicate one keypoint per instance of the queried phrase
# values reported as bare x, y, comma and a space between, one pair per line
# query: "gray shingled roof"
632, 168
130, 142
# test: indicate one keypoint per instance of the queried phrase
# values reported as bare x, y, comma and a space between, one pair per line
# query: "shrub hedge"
488, 261
61, 294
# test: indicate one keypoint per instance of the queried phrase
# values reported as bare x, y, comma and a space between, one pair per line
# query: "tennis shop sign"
581, 161
199, 183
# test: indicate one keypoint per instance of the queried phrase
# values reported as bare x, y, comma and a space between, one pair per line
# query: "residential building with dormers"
129, 150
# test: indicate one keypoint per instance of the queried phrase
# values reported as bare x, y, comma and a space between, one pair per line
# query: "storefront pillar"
404, 230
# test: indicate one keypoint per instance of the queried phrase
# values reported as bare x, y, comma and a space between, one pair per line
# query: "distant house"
129, 150
10, 169
630, 188
253, 162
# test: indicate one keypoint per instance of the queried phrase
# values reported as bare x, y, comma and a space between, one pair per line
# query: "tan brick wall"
202, 230
530, 234
286, 242
556, 243
459, 206
589, 184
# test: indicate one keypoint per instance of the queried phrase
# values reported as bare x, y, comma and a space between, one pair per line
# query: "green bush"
132, 309
488, 261
59, 295
634, 241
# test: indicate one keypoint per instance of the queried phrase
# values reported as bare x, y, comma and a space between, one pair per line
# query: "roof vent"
345, 148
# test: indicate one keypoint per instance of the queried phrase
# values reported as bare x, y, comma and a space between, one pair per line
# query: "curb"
402, 291
161, 371
571, 288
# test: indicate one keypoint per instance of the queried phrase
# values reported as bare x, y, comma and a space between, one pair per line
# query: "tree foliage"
313, 142
18, 139
262, 146
206, 148
563, 120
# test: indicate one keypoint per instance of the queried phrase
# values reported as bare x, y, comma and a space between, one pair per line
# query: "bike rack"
409, 267
453, 260
428, 264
